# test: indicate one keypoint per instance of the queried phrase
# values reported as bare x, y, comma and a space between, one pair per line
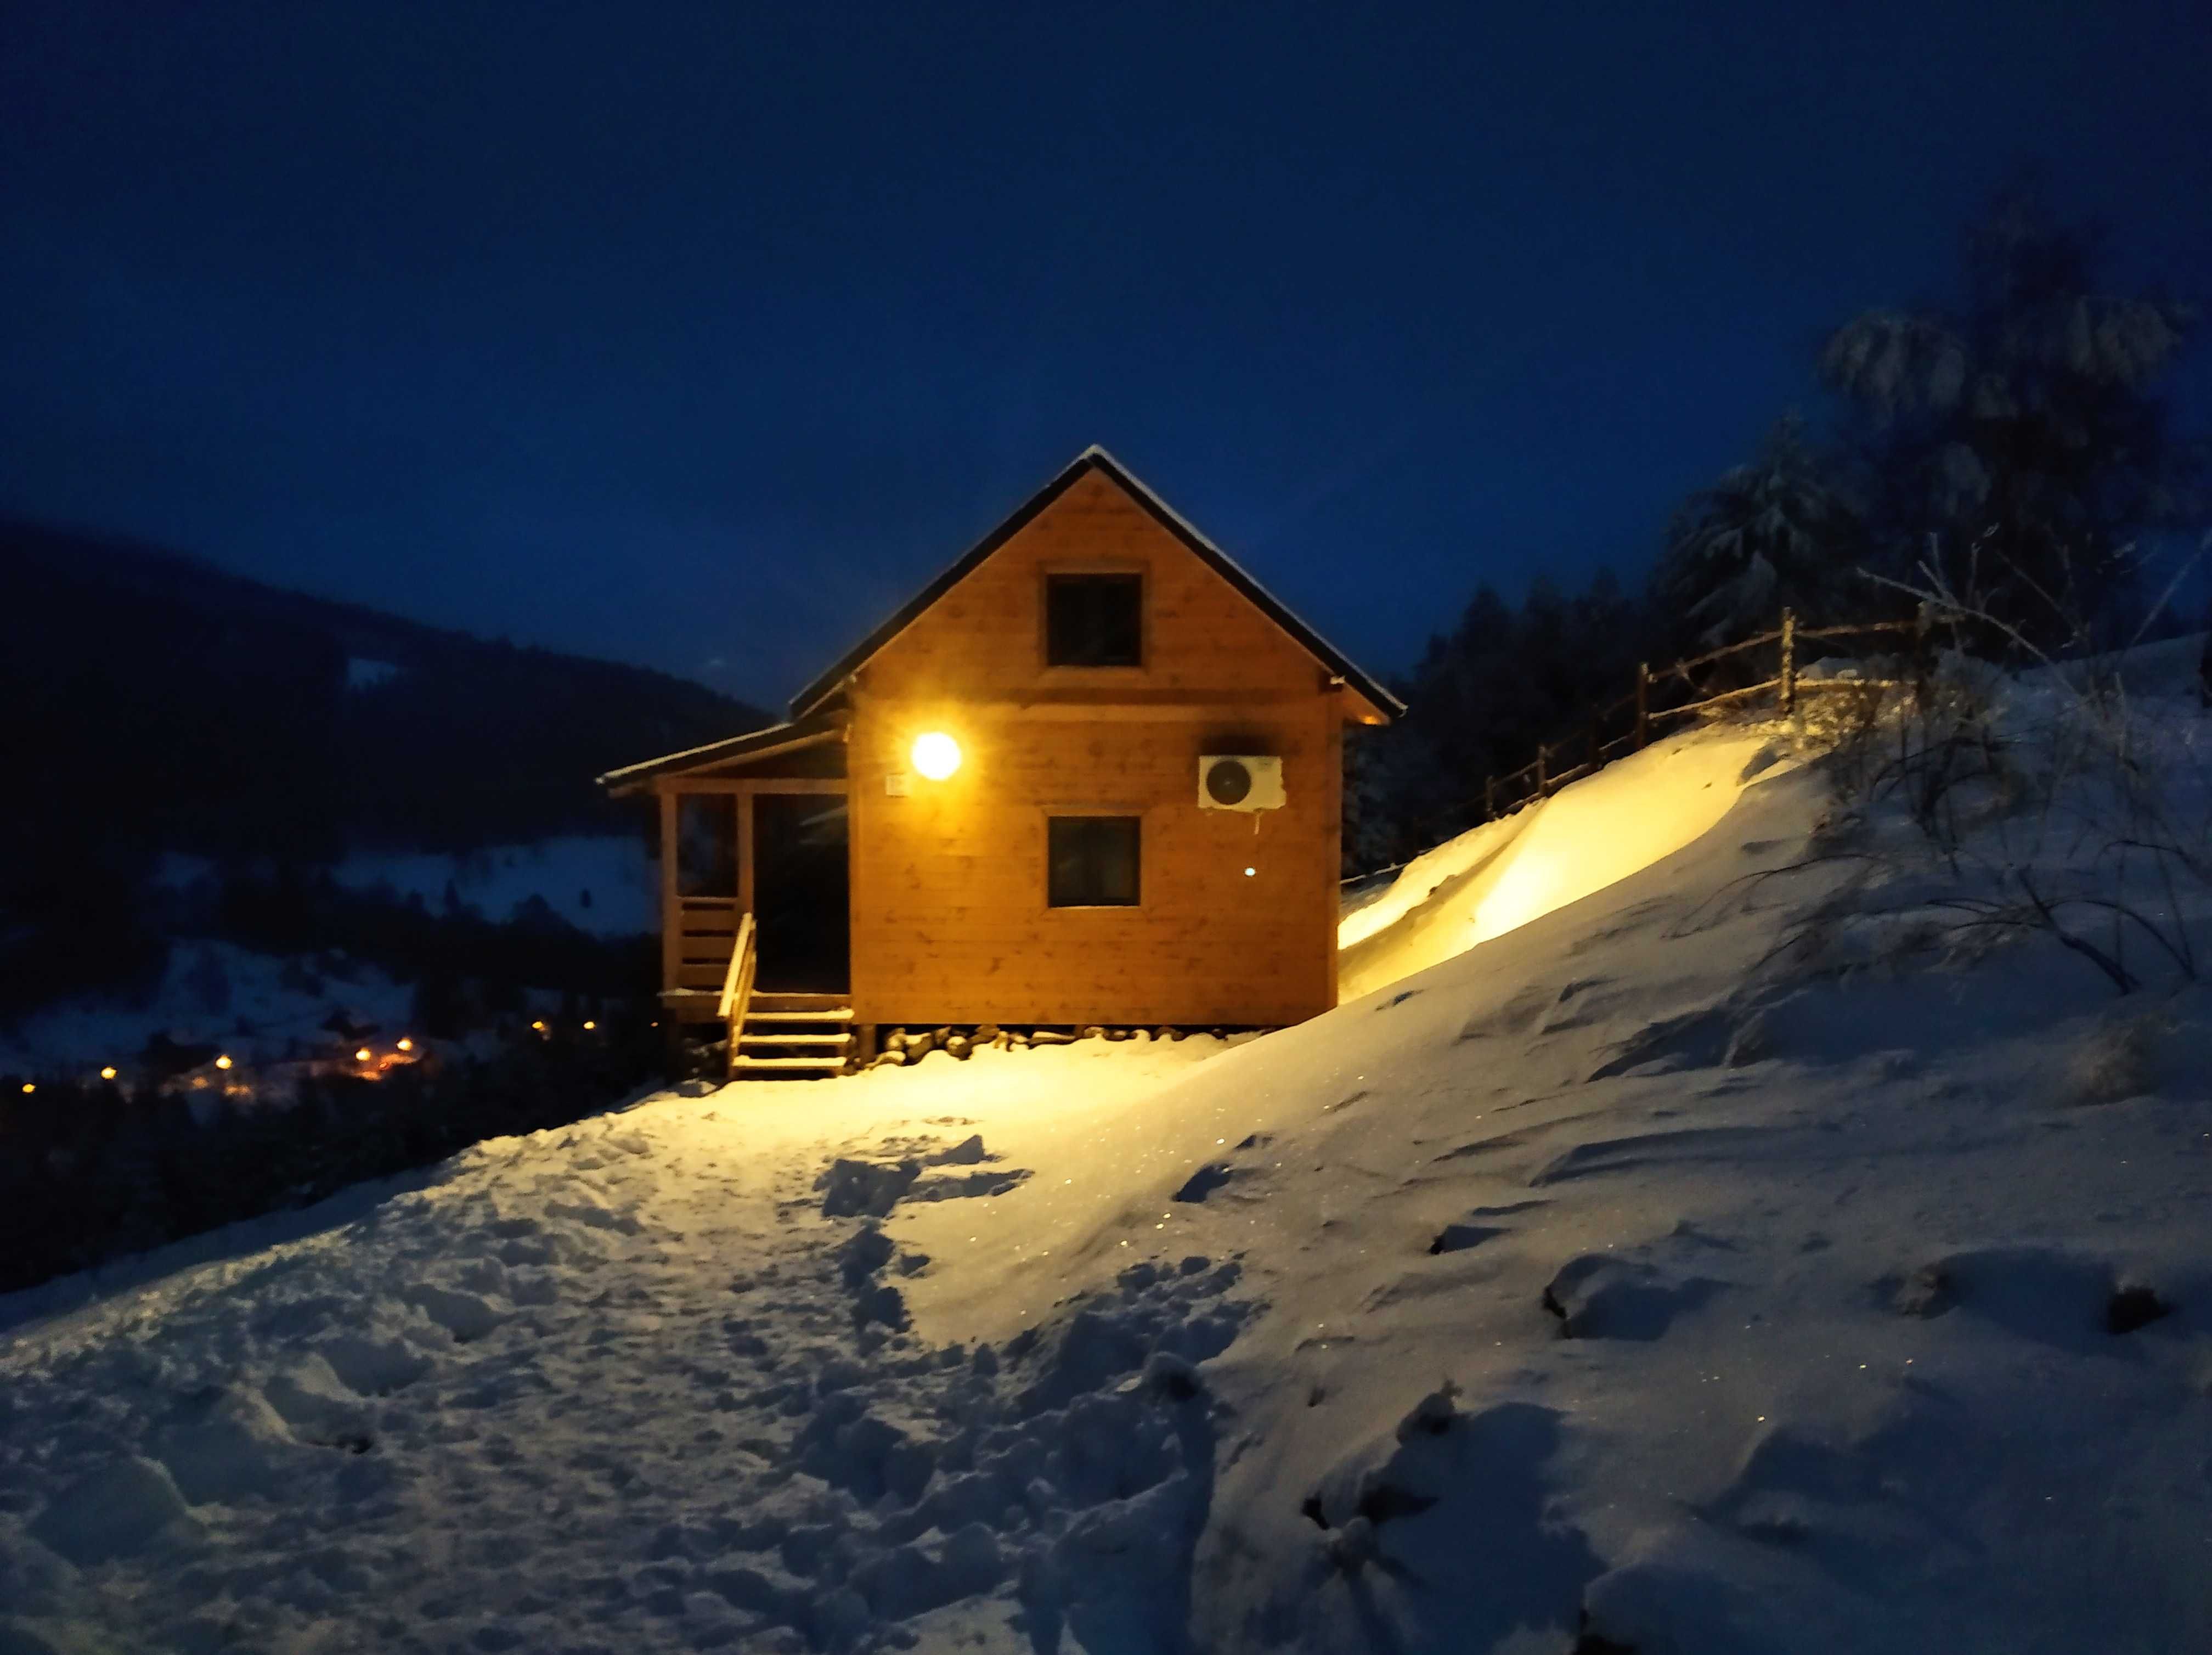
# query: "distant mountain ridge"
152, 703
417, 735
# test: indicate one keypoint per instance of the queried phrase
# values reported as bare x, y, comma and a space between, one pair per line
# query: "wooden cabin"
1090, 775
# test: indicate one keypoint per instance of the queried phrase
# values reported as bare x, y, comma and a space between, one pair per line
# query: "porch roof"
814, 730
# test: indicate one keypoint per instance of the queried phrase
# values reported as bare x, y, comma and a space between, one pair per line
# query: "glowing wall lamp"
936, 755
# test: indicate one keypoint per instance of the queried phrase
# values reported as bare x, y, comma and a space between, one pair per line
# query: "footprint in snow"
371, 1367
1598, 1296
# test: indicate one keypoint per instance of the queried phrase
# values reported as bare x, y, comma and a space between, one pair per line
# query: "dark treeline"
2009, 445
1480, 699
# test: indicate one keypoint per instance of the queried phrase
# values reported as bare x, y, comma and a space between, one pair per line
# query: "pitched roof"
1095, 458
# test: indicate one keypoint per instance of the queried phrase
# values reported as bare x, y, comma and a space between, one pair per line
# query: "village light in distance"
936, 755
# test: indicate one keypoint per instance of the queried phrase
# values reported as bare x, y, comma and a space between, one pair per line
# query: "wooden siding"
950, 920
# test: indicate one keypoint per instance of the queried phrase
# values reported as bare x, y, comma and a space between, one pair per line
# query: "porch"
754, 851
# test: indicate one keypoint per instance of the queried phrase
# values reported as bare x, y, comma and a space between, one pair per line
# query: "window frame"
1103, 814
1136, 574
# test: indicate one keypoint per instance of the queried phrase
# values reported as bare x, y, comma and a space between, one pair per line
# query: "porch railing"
738, 984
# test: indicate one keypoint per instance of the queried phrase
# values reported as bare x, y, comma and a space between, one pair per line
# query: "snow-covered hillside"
263, 1007
1505, 873
601, 884
1625, 1275
259, 1007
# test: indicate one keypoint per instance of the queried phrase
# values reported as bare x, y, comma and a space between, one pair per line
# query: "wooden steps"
795, 1068
793, 1037
768, 1035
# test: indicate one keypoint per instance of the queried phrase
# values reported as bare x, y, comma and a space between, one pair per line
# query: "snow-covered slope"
260, 1008
601, 884
1612, 1266
1498, 877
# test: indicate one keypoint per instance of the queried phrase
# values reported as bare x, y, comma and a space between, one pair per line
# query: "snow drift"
1498, 877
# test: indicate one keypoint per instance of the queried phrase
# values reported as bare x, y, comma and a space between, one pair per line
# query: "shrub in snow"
2058, 801
2117, 1059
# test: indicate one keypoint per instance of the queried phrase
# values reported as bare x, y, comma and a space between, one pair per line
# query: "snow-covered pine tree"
2017, 435
1777, 531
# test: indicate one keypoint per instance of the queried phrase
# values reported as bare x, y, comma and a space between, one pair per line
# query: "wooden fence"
1648, 708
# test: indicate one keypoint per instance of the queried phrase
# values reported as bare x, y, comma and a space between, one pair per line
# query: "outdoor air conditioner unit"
1239, 781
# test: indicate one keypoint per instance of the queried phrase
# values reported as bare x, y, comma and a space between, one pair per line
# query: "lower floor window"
1093, 861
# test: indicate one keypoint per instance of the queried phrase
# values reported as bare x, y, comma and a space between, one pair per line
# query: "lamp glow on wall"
936, 755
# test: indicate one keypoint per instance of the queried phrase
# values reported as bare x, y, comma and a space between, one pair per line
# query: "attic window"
1093, 861
1094, 620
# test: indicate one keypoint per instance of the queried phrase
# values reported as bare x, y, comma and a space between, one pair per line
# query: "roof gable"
1097, 459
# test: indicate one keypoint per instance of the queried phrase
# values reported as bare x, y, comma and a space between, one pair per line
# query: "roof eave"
765, 743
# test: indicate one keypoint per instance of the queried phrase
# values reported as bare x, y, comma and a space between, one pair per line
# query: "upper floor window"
1094, 620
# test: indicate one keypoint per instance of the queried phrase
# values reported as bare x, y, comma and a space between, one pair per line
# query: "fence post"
1489, 798
1788, 663
1920, 664
1597, 745
1643, 705
1542, 752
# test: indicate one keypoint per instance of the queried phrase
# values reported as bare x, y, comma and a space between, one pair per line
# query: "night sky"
699, 337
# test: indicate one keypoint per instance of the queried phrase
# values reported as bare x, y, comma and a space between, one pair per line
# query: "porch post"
744, 813
672, 923
672, 936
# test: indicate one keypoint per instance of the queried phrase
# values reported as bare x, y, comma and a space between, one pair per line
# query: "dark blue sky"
699, 336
